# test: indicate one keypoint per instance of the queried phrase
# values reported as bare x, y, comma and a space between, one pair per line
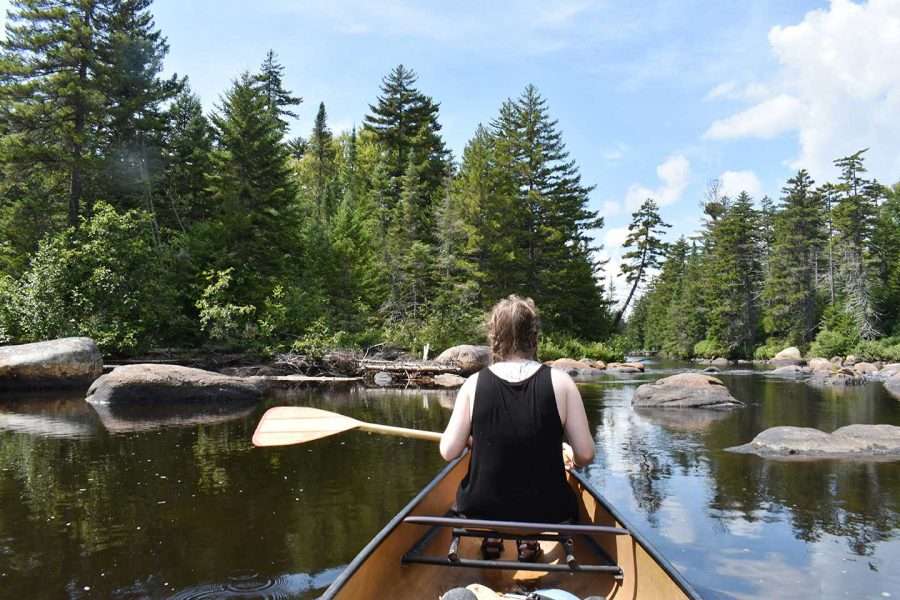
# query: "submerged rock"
55, 363
470, 359
686, 390
852, 441
449, 380
841, 377
171, 383
789, 372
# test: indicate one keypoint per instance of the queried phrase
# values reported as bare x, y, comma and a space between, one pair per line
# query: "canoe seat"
563, 534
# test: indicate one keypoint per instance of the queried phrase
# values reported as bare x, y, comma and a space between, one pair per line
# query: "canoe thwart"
511, 565
569, 528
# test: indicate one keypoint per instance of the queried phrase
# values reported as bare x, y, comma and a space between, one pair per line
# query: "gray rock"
789, 372
686, 390
849, 441
790, 353
470, 359
819, 364
865, 368
625, 367
837, 361
839, 377
850, 360
711, 370
569, 364
56, 363
889, 370
449, 380
720, 362
383, 378
892, 385
156, 383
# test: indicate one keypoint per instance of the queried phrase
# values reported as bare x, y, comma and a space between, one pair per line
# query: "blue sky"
654, 98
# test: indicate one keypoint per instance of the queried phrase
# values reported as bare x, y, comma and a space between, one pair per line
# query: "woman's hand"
568, 456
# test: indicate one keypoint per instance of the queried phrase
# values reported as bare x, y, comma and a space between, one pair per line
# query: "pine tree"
854, 222
734, 276
270, 81
254, 193
50, 100
643, 236
405, 120
790, 295
134, 121
321, 150
554, 258
188, 146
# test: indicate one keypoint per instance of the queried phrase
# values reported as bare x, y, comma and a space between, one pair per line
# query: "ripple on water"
253, 585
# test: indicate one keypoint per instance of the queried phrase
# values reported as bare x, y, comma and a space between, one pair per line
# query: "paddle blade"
285, 425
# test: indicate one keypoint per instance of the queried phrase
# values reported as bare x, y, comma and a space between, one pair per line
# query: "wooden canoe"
408, 559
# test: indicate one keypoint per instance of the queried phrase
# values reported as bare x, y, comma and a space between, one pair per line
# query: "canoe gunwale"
376, 541
639, 538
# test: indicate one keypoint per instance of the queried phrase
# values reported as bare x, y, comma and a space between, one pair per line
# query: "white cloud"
837, 87
674, 174
614, 238
4, 6
614, 153
610, 208
730, 90
735, 182
765, 120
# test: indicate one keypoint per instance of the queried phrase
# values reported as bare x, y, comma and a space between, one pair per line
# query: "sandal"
491, 548
529, 550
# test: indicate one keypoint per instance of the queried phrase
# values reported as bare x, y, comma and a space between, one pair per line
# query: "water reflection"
119, 503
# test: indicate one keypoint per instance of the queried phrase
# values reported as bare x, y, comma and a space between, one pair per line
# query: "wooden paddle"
285, 425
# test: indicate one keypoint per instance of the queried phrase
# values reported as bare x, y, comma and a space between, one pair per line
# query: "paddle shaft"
418, 434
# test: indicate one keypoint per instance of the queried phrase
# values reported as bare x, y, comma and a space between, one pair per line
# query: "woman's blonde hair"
513, 328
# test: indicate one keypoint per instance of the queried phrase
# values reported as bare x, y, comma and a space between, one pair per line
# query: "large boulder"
568, 364
156, 383
892, 385
56, 363
889, 370
819, 364
449, 380
686, 390
790, 353
865, 368
470, 359
720, 362
852, 441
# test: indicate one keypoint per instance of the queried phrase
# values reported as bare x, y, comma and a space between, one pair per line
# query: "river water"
177, 504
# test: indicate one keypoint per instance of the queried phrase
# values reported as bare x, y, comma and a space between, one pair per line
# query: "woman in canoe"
514, 414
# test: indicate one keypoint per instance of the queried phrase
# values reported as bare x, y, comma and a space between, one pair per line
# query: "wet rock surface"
64, 362
686, 390
849, 441
892, 385
470, 359
789, 372
152, 383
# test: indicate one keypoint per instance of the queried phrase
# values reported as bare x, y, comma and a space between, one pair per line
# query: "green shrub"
886, 349
106, 280
710, 349
769, 349
222, 320
9, 321
553, 347
832, 343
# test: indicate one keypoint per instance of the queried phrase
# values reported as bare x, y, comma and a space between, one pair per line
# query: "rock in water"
686, 390
470, 359
819, 364
56, 363
790, 371
449, 380
171, 383
626, 367
892, 385
865, 368
837, 377
852, 441
791, 353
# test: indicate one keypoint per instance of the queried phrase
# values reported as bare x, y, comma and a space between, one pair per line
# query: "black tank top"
516, 471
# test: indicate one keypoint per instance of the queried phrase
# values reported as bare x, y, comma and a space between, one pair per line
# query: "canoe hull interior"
378, 572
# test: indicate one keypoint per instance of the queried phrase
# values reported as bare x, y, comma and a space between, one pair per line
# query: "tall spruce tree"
555, 255
854, 222
251, 185
321, 151
50, 101
733, 278
646, 248
790, 292
270, 81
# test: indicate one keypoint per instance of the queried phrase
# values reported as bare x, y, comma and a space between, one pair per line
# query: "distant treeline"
129, 215
819, 270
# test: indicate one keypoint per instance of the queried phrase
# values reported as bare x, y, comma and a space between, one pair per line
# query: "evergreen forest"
130, 214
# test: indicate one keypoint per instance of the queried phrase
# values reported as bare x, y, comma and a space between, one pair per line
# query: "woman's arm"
574, 418
456, 436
